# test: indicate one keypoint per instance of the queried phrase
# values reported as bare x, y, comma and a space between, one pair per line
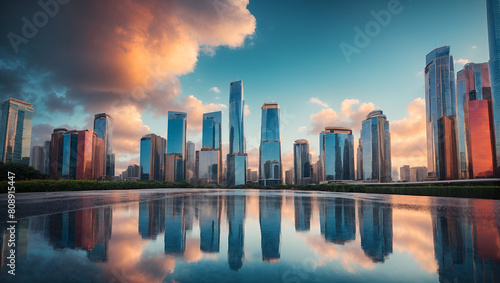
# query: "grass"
483, 192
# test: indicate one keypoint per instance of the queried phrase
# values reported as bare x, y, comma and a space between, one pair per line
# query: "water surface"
252, 236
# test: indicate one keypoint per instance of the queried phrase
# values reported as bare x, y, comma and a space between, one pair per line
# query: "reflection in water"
463, 237
270, 227
375, 227
337, 219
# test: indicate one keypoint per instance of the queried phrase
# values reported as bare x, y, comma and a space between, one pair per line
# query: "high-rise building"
418, 174
441, 115
152, 157
191, 163
76, 155
237, 157
302, 163
289, 177
38, 158
15, 131
270, 166
337, 148
209, 159
47, 157
176, 145
359, 160
190, 151
404, 173
376, 140
493, 11
103, 128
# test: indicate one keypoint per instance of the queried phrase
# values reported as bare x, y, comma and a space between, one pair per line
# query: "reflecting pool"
252, 236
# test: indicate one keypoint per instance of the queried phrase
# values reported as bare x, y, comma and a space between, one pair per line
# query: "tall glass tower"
103, 128
237, 157
337, 146
176, 146
152, 157
302, 163
493, 10
209, 159
270, 169
441, 115
15, 131
376, 148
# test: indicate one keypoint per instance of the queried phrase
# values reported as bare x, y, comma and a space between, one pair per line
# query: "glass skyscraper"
176, 146
441, 115
237, 157
152, 157
493, 10
209, 159
376, 147
103, 128
337, 147
15, 131
270, 169
302, 163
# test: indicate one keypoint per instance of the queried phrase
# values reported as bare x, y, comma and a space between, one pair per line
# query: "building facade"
176, 146
103, 128
209, 159
376, 144
337, 147
237, 157
15, 131
302, 163
38, 158
493, 11
404, 173
441, 101
418, 174
152, 157
270, 166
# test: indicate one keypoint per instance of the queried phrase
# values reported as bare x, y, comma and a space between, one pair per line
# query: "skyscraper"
152, 157
209, 159
302, 163
359, 159
441, 115
191, 162
493, 10
176, 145
270, 167
15, 131
376, 145
103, 128
404, 173
38, 158
337, 147
237, 157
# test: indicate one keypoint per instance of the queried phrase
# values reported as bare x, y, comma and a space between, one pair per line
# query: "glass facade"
56, 153
376, 148
152, 157
236, 159
338, 154
359, 160
493, 11
209, 159
176, 143
270, 169
302, 163
37, 159
440, 100
103, 128
15, 131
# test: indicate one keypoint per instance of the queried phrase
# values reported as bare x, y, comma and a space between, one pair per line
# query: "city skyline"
195, 88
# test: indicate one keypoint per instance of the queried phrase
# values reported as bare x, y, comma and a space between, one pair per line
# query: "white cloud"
247, 110
316, 100
302, 129
474, 47
217, 97
420, 74
215, 89
461, 62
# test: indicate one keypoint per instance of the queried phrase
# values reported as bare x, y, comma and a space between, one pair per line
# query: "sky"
137, 60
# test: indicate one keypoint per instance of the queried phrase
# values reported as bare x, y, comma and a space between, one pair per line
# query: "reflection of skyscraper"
152, 157
237, 157
175, 229
151, 218
176, 145
376, 147
337, 219
103, 128
337, 147
15, 133
270, 227
270, 167
302, 163
375, 227
493, 11
441, 112
302, 213
211, 207
235, 206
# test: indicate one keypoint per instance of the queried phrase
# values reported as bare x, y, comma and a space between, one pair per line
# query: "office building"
176, 146
270, 167
376, 144
237, 157
103, 128
302, 163
38, 158
359, 159
493, 11
47, 157
337, 154
152, 157
209, 159
418, 174
404, 173
289, 177
15, 131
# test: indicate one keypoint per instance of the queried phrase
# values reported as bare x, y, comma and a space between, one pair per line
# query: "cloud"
474, 47
349, 116
124, 57
215, 89
316, 100
247, 110
461, 62
302, 129
420, 74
